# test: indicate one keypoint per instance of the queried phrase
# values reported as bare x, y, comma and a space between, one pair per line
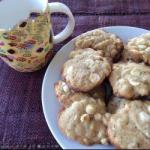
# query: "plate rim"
46, 72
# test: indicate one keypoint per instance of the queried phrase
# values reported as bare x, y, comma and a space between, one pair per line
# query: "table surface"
22, 123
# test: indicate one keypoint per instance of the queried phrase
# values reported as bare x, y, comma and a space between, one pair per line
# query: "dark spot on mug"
22, 46
34, 14
22, 59
12, 44
29, 61
11, 51
31, 42
12, 37
23, 24
39, 50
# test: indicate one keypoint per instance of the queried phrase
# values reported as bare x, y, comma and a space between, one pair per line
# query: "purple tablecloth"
22, 123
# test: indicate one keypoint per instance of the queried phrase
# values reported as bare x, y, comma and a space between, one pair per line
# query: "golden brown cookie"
85, 120
86, 71
130, 80
64, 93
108, 43
138, 49
123, 129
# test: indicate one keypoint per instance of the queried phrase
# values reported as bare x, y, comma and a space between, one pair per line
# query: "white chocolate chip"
70, 71
133, 82
65, 88
63, 83
98, 117
33, 20
97, 57
75, 117
135, 72
147, 134
144, 116
141, 47
90, 109
148, 108
147, 49
75, 104
104, 141
132, 145
85, 118
94, 77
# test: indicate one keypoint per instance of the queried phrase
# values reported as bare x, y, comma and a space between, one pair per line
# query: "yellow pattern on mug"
27, 47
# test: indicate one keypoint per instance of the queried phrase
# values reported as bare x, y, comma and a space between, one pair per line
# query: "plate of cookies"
96, 90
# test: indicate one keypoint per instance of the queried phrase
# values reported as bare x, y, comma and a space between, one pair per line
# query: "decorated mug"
26, 35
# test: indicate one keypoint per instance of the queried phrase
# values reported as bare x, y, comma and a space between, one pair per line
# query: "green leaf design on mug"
20, 64
2, 51
47, 48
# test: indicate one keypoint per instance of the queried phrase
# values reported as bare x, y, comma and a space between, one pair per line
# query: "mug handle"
62, 8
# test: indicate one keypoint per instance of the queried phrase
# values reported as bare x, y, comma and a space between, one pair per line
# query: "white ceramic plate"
50, 104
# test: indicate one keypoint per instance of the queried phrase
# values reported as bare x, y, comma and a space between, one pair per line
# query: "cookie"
130, 80
86, 71
85, 121
64, 92
108, 43
124, 132
140, 114
138, 49
116, 104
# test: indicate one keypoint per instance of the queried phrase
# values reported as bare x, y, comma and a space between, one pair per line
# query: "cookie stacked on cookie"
88, 115
129, 126
81, 92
